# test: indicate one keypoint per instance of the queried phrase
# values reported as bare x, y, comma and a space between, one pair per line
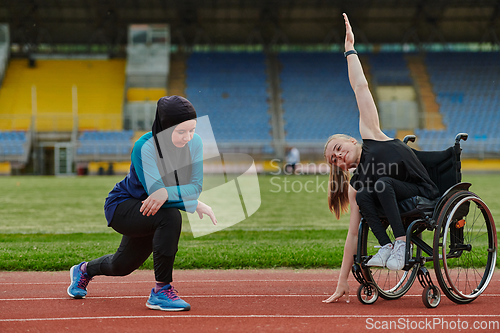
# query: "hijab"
173, 163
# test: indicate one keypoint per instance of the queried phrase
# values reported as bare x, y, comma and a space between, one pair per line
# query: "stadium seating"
317, 98
94, 145
145, 94
389, 68
466, 86
99, 83
231, 89
14, 146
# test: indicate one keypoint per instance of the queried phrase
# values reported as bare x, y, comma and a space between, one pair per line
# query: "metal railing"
61, 122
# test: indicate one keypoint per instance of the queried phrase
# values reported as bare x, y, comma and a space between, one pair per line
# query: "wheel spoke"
463, 278
390, 284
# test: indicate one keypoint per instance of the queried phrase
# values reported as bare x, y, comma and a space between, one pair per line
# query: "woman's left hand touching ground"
342, 290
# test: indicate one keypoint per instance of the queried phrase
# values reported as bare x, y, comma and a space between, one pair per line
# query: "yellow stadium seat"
119, 168
5, 168
145, 94
99, 90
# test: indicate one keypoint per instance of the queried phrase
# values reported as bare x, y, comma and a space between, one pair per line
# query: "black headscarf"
173, 163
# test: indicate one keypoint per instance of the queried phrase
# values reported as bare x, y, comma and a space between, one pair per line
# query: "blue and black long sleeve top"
144, 178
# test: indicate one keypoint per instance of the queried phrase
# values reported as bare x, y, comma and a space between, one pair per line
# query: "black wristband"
350, 52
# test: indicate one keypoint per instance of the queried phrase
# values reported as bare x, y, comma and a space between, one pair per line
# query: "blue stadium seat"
466, 87
105, 143
231, 89
390, 68
317, 98
12, 143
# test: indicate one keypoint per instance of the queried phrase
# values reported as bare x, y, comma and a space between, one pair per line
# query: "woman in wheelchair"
385, 171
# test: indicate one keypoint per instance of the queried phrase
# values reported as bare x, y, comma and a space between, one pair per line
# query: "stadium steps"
273, 67
400, 134
433, 118
467, 92
177, 75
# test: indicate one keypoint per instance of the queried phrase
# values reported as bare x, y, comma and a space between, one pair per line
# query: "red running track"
229, 301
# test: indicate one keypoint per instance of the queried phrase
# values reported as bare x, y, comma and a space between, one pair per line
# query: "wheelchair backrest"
443, 166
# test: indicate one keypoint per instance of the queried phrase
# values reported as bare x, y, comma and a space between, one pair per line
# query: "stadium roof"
253, 21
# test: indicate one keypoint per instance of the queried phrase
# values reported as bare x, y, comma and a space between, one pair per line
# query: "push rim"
460, 272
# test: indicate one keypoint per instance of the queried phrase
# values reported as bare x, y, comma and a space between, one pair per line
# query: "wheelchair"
463, 248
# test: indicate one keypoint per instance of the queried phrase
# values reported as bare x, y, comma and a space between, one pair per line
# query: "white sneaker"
381, 257
396, 261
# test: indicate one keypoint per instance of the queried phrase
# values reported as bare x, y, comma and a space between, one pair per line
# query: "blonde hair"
338, 183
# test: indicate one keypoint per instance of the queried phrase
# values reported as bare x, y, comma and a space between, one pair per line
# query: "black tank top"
392, 159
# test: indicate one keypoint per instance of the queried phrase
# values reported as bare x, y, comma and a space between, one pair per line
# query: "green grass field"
51, 223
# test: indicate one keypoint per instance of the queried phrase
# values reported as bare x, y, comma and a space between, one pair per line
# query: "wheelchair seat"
443, 168
417, 205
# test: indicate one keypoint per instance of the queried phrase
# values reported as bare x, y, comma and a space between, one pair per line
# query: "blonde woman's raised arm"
369, 125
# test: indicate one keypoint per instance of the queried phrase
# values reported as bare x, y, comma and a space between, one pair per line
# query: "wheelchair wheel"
465, 244
367, 294
390, 284
431, 296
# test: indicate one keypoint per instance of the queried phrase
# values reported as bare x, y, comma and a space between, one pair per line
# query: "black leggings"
385, 194
142, 235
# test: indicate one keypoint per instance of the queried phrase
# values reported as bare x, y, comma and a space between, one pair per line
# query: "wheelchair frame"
454, 204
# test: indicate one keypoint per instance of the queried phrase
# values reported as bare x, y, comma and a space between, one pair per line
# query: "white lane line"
250, 316
333, 279
186, 296
183, 296
179, 281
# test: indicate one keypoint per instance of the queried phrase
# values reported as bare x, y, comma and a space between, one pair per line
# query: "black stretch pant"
142, 235
385, 194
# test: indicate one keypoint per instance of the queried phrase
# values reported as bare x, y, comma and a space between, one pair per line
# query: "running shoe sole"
374, 265
157, 307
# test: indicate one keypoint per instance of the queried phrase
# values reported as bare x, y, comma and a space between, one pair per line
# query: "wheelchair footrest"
358, 274
424, 277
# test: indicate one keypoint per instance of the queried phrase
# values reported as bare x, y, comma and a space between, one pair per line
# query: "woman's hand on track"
203, 208
342, 289
154, 202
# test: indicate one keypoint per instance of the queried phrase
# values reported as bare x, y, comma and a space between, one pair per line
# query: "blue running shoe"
166, 299
79, 282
